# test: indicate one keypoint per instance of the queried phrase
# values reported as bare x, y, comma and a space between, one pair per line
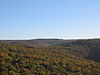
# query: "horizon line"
51, 39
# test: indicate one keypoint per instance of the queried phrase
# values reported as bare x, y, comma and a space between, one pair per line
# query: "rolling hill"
89, 49
50, 57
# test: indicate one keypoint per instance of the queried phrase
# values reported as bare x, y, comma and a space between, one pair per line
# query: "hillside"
24, 60
88, 49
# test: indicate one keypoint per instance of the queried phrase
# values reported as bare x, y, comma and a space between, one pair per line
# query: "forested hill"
64, 59
88, 49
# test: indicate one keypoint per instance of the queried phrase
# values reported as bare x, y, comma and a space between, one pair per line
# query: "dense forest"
50, 57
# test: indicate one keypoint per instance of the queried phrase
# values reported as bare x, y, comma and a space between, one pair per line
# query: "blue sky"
64, 19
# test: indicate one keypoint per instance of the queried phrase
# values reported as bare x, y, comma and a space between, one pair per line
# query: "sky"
64, 19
